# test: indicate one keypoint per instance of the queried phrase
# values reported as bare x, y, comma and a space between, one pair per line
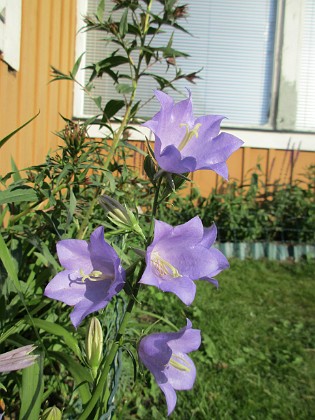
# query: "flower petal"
186, 340
170, 396
183, 287
209, 236
73, 251
63, 289
181, 379
171, 160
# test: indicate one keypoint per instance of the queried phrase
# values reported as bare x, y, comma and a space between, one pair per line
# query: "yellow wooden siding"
48, 38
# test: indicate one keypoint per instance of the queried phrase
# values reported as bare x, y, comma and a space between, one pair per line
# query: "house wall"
283, 166
48, 38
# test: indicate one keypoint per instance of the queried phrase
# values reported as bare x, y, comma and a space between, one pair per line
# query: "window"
240, 46
10, 32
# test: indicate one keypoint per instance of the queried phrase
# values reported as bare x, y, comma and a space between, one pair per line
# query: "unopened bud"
119, 215
94, 343
52, 413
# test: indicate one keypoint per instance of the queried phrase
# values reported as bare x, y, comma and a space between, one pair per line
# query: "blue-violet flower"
93, 275
185, 144
165, 355
179, 255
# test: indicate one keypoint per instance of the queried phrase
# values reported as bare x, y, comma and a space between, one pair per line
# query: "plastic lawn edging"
271, 250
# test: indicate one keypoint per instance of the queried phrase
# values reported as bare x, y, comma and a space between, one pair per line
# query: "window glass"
233, 44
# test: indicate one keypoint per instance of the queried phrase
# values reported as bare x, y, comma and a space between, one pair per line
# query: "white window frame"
10, 32
265, 137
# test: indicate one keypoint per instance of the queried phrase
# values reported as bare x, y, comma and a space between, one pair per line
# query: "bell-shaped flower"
186, 144
17, 359
179, 255
165, 355
93, 275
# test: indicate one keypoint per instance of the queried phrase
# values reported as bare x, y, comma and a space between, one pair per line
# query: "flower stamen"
189, 134
163, 267
180, 364
95, 275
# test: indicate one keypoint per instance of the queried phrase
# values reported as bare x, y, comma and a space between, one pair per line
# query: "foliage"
59, 199
252, 211
257, 358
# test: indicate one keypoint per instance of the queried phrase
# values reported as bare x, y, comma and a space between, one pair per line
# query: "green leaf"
111, 179
5, 139
72, 205
76, 66
15, 170
98, 102
80, 374
135, 148
112, 107
8, 262
100, 10
112, 61
123, 25
123, 88
32, 390
59, 331
149, 167
18, 195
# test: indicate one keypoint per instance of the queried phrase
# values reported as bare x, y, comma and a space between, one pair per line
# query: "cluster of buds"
74, 136
121, 216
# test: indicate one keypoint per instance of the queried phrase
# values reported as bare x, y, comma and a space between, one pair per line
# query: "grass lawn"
257, 359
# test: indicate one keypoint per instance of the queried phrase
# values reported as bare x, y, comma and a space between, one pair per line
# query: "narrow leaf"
59, 331
18, 195
76, 66
124, 88
80, 374
5, 139
123, 25
15, 170
32, 390
8, 263
112, 107
100, 10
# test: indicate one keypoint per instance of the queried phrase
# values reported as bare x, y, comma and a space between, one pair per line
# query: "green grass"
257, 359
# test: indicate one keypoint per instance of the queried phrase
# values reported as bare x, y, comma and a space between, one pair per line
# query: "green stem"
31, 208
116, 139
111, 356
154, 207
118, 339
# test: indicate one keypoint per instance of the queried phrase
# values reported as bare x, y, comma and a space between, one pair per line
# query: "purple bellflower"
17, 359
93, 275
165, 355
185, 144
179, 255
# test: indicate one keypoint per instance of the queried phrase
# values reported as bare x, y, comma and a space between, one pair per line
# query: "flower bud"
119, 215
94, 343
52, 413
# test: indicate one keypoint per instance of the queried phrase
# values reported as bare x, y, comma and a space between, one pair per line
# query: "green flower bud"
94, 343
119, 215
52, 413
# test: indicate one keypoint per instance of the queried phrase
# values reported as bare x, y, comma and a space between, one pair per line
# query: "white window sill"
251, 138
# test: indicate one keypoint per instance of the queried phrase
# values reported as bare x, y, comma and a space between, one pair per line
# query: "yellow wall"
276, 166
48, 38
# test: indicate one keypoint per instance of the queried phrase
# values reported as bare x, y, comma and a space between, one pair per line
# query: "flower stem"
154, 208
111, 356
119, 336
109, 157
